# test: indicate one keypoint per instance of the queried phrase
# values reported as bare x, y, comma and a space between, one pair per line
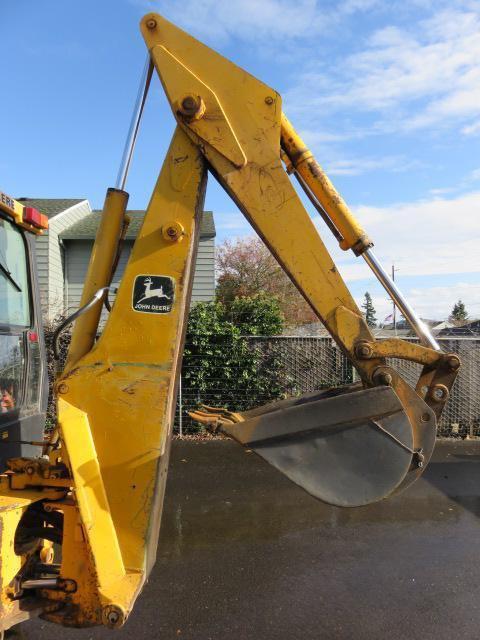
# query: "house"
64, 251
469, 329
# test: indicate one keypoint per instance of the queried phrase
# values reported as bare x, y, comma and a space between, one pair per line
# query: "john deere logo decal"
153, 294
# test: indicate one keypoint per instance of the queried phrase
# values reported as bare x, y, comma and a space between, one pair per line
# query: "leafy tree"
369, 311
259, 315
246, 268
459, 314
220, 366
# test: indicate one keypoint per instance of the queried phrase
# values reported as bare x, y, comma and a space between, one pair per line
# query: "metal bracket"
197, 108
395, 348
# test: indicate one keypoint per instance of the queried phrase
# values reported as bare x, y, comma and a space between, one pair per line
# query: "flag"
388, 318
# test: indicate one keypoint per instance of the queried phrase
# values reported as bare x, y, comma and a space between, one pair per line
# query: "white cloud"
431, 70
358, 166
472, 129
434, 303
425, 238
436, 237
432, 237
248, 19
439, 301
233, 224
426, 74
256, 20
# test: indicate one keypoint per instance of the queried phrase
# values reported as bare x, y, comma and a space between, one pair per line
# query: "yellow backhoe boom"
104, 477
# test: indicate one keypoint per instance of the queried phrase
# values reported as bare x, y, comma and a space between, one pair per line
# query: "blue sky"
387, 94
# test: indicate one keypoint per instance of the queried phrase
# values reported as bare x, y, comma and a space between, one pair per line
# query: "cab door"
22, 357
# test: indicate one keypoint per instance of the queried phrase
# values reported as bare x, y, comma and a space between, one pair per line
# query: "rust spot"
71, 373
130, 389
180, 159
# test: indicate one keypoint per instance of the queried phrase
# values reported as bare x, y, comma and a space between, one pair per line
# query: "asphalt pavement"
245, 554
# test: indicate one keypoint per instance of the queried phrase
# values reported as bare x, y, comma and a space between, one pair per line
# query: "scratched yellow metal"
117, 396
396, 348
261, 188
354, 237
116, 404
99, 272
179, 82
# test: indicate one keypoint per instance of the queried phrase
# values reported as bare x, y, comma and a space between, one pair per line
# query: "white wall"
50, 259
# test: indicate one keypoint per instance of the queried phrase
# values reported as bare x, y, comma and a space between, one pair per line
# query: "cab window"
12, 364
14, 293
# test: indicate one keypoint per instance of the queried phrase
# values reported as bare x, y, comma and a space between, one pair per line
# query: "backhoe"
80, 518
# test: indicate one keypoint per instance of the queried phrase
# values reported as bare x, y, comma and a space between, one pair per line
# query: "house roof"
466, 330
50, 206
86, 228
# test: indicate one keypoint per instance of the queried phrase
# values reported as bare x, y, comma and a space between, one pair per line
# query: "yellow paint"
13, 505
14, 210
179, 82
11, 207
354, 237
261, 188
118, 394
116, 416
99, 273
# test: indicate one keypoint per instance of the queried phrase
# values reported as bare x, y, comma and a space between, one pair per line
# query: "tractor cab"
23, 375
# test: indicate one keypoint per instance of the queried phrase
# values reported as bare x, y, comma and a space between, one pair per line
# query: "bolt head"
453, 362
173, 231
113, 616
191, 107
383, 377
439, 392
189, 103
269, 100
151, 23
363, 351
62, 387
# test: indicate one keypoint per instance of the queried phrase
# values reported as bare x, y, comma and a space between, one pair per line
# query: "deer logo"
152, 293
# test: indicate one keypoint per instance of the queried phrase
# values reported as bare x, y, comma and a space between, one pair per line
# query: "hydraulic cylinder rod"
342, 222
135, 124
408, 313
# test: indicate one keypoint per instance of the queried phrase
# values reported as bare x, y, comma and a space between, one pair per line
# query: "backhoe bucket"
348, 447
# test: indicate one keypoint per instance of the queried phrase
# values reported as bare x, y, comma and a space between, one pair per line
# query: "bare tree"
247, 268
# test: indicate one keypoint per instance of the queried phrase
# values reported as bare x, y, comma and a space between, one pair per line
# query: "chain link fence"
243, 374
